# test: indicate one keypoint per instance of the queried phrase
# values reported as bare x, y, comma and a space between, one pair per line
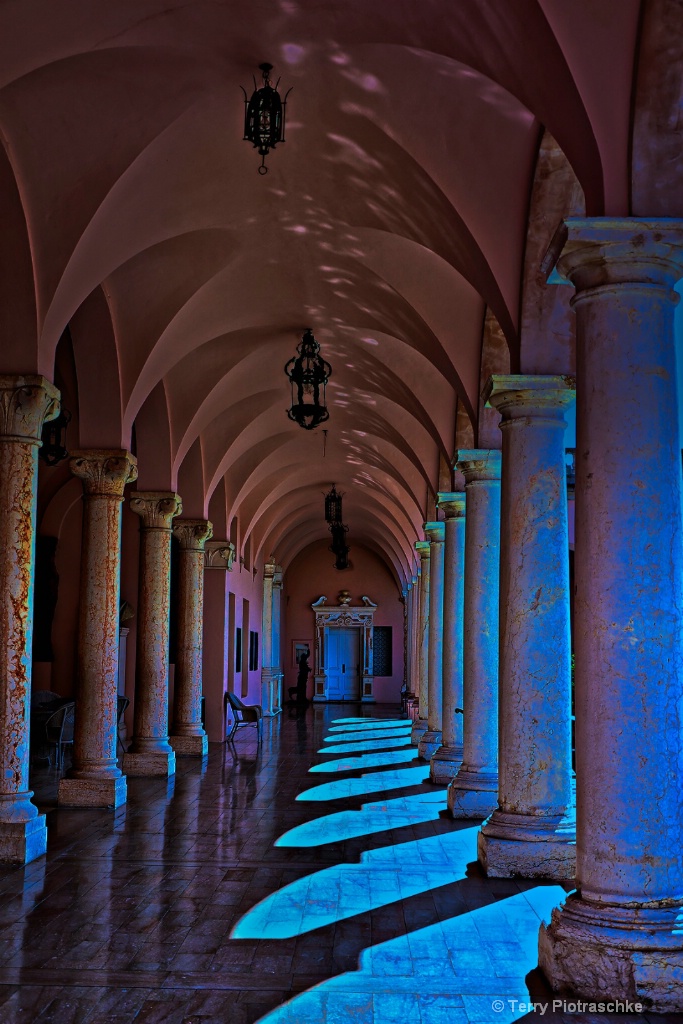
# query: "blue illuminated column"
448, 758
431, 739
621, 933
406, 595
473, 793
422, 642
26, 402
532, 832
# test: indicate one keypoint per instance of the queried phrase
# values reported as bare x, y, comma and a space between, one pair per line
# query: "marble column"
406, 593
532, 831
473, 792
414, 618
26, 402
619, 934
430, 741
267, 702
187, 733
277, 638
422, 643
448, 757
150, 752
95, 779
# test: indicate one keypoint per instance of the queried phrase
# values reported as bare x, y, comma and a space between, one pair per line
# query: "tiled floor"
280, 883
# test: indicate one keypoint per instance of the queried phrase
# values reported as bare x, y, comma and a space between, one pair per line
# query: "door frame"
341, 617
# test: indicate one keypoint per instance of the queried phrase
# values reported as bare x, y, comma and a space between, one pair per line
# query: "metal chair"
242, 714
59, 732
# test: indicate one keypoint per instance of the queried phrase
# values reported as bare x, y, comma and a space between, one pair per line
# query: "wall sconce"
53, 439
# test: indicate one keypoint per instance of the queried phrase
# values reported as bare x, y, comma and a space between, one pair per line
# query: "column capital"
593, 252
156, 508
452, 503
219, 554
269, 569
104, 471
519, 395
27, 401
278, 576
423, 548
435, 532
479, 463
192, 533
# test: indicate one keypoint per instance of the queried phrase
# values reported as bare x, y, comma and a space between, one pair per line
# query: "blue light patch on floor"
371, 735
352, 764
374, 817
383, 723
375, 782
401, 740
382, 876
468, 969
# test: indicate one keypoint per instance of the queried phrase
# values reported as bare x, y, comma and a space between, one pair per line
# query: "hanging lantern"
264, 116
333, 506
339, 547
308, 373
53, 437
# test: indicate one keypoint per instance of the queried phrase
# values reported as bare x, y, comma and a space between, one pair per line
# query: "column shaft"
532, 832
267, 694
95, 779
150, 752
474, 791
422, 642
187, 734
26, 402
620, 932
431, 739
448, 757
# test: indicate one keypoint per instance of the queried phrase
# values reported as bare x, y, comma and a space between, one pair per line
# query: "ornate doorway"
343, 650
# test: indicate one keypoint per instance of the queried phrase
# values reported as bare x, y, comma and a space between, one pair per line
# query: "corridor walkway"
315, 879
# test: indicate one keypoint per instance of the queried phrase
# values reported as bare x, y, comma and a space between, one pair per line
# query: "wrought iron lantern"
53, 437
264, 116
333, 506
308, 373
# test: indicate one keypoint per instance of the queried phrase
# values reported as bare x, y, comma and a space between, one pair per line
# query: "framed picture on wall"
299, 648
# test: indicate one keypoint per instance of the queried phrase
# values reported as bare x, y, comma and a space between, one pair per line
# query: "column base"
418, 730
429, 743
92, 792
273, 713
527, 846
444, 765
190, 746
23, 841
473, 794
149, 763
603, 953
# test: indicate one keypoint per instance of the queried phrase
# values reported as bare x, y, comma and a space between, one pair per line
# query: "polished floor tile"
276, 883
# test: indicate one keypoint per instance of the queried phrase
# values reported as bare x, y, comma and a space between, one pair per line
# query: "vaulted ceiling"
394, 222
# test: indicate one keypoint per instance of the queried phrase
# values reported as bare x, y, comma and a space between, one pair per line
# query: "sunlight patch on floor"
373, 817
352, 764
383, 876
374, 782
372, 735
402, 740
466, 970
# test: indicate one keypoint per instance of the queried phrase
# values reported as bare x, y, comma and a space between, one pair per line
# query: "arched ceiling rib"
395, 215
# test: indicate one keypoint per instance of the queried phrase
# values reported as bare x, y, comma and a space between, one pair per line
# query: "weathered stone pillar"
26, 402
422, 642
431, 739
448, 758
277, 639
473, 793
620, 933
187, 733
406, 593
414, 618
532, 832
267, 701
150, 752
95, 779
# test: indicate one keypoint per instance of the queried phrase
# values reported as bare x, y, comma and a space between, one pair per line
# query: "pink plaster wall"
310, 575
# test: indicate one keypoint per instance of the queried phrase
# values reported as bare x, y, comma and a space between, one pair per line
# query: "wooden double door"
343, 656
